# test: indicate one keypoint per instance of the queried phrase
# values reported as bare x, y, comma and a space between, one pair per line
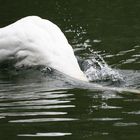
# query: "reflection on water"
33, 103
45, 134
29, 108
43, 120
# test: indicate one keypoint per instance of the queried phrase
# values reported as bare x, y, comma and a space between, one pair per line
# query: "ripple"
35, 102
97, 41
125, 124
43, 120
51, 134
40, 107
105, 106
131, 60
132, 100
105, 119
32, 96
100, 133
136, 55
134, 112
126, 51
32, 113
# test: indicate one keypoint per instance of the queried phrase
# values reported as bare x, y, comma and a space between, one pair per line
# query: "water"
38, 105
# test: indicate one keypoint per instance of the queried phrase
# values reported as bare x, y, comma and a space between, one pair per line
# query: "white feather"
36, 41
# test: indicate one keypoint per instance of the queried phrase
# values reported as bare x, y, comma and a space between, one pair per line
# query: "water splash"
96, 69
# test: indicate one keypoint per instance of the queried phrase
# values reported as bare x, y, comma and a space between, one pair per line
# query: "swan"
33, 41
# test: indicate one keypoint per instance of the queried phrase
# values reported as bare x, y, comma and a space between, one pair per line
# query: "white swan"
35, 41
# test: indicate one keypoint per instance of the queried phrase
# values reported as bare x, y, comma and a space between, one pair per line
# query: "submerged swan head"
35, 41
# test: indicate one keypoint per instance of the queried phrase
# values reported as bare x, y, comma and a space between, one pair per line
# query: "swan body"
35, 41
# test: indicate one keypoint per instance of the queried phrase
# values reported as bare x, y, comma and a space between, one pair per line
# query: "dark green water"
36, 106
